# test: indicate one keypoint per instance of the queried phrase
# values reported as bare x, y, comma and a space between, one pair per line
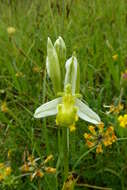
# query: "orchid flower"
68, 107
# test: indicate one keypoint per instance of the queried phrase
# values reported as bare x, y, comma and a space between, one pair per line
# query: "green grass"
96, 30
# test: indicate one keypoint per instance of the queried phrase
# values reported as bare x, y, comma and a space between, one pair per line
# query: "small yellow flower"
92, 129
50, 170
109, 136
39, 173
19, 74
101, 127
72, 128
90, 144
70, 183
11, 30
115, 57
8, 171
100, 137
87, 136
99, 148
116, 109
4, 107
2, 165
31, 160
50, 157
107, 141
25, 168
123, 120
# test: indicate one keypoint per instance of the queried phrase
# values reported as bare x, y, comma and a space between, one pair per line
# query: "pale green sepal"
77, 90
53, 67
86, 113
47, 109
72, 74
61, 52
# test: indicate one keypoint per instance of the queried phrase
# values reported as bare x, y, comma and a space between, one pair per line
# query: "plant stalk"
65, 152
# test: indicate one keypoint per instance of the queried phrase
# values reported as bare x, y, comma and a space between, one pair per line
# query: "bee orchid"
68, 107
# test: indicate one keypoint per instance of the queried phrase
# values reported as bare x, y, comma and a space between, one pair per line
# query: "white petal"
87, 114
47, 109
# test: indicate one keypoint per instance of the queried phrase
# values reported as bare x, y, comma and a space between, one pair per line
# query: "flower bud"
72, 74
53, 67
70, 183
61, 52
11, 30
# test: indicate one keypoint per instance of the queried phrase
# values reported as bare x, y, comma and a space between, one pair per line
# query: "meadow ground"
97, 31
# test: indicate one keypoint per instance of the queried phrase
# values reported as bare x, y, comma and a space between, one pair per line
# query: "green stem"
59, 156
122, 139
65, 153
63, 15
82, 156
44, 120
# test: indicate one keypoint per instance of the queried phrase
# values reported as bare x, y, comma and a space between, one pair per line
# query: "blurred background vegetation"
96, 30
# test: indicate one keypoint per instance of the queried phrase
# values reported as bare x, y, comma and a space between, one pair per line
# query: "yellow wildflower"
50, 170
39, 173
50, 157
101, 127
2, 165
90, 144
72, 128
92, 130
8, 171
115, 57
4, 107
19, 74
100, 137
25, 168
70, 183
123, 120
116, 109
31, 160
99, 148
11, 30
87, 136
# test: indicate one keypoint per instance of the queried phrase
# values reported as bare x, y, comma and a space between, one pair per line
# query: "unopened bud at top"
60, 49
61, 52
53, 67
